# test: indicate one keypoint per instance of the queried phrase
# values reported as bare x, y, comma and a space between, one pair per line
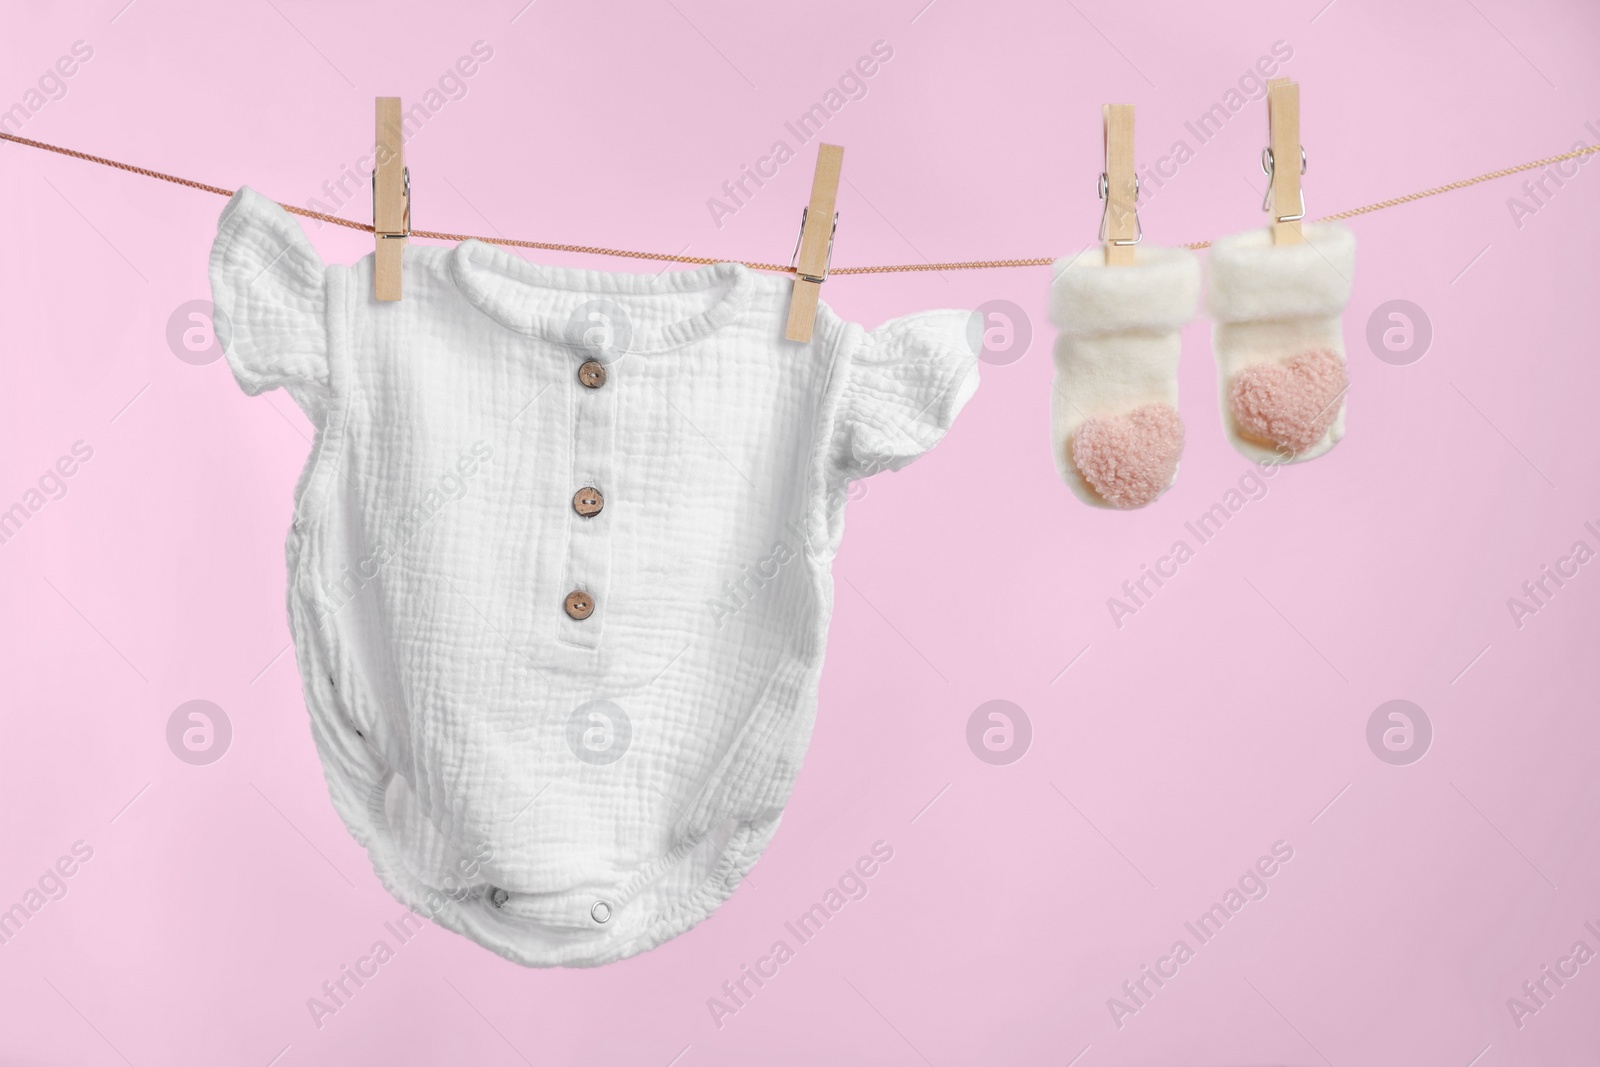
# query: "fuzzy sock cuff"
1158, 293
1254, 279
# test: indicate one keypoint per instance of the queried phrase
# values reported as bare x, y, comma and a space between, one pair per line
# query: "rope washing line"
661, 257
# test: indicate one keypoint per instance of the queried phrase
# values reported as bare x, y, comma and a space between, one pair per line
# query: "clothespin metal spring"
1267, 166
405, 181
794, 257
1105, 214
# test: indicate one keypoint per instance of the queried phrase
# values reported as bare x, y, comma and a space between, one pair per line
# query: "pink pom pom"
1129, 459
1290, 404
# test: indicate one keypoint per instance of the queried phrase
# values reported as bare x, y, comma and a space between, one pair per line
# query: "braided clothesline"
662, 257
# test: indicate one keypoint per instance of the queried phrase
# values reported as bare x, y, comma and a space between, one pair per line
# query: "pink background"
1227, 715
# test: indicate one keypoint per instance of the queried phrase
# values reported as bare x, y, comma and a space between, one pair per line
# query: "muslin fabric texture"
566, 791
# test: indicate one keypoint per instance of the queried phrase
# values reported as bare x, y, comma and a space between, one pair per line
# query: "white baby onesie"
559, 571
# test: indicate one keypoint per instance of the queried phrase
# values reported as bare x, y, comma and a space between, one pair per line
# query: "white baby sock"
1114, 410
1279, 345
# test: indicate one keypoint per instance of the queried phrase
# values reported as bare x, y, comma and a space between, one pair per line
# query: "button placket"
588, 559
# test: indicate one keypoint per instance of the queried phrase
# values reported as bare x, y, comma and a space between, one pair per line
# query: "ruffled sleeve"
270, 297
904, 385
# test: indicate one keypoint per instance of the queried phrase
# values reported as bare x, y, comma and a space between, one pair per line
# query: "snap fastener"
600, 912
588, 501
498, 896
579, 605
592, 374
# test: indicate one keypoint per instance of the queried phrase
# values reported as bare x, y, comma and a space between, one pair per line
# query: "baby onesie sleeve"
904, 384
270, 299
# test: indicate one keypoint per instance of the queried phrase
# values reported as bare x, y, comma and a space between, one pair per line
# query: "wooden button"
588, 501
592, 374
579, 605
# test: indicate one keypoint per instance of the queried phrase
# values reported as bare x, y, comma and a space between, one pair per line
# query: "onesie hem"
358, 797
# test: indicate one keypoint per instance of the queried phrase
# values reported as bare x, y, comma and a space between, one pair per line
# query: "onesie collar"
510, 290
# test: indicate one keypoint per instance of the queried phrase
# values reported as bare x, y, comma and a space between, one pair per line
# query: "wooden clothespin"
1285, 198
814, 250
391, 201
1119, 187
